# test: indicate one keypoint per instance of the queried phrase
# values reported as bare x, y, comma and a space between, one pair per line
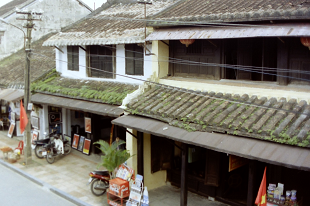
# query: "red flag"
23, 118
261, 199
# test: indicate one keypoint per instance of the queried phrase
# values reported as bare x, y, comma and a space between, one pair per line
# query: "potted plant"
112, 157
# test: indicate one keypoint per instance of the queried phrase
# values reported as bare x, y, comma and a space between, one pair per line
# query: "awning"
265, 151
76, 104
11, 95
270, 30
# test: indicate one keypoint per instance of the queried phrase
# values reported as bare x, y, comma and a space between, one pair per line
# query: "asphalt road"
17, 190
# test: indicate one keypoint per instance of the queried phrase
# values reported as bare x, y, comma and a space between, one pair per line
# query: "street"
17, 190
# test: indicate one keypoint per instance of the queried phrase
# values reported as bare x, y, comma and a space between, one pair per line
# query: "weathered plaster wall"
57, 14
61, 66
156, 179
131, 145
160, 67
160, 61
244, 88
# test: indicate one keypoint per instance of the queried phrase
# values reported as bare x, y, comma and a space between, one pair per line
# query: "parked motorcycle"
38, 144
99, 181
56, 148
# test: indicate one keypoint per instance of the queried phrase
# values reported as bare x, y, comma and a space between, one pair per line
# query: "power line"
185, 90
205, 64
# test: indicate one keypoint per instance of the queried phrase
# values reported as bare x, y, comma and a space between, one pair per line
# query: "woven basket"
12, 160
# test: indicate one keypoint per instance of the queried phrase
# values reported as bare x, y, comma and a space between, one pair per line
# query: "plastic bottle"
145, 201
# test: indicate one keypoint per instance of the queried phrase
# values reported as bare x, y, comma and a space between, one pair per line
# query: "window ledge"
295, 86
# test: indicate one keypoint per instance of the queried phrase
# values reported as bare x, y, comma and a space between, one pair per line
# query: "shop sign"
11, 129
87, 124
86, 146
236, 162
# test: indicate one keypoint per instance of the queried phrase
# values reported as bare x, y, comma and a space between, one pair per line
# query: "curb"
45, 185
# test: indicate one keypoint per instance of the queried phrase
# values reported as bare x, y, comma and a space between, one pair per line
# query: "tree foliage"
112, 157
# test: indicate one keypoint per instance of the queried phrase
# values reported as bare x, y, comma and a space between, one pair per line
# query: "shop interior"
231, 187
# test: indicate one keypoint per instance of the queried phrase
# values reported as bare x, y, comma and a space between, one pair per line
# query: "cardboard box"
119, 187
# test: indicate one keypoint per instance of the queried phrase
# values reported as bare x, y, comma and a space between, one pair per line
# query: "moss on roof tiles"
97, 91
42, 61
215, 112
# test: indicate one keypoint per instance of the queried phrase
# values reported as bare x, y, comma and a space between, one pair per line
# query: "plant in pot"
112, 157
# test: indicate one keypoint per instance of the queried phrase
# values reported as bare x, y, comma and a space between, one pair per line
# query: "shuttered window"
73, 58
101, 61
134, 59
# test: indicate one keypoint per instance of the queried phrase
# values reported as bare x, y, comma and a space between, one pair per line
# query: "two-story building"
231, 96
99, 61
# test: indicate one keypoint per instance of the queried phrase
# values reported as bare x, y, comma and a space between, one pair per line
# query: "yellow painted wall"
160, 61
131, 145
260, 90
156, 179
160, 68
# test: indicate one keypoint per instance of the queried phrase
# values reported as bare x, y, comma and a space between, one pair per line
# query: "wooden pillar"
283, 62
140, 153
184, 175
251, 189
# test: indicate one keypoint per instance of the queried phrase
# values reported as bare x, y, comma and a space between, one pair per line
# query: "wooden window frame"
73, 58
132, 53
90, 60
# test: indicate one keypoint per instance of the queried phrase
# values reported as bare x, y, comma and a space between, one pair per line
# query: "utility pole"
27, 98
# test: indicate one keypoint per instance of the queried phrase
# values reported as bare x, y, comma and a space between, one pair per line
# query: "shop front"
222, 167
81, 122
10, 108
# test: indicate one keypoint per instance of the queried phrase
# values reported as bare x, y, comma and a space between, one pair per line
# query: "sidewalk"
68, 177
68, 173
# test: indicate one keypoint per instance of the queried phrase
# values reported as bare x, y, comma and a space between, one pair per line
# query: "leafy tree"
112, 157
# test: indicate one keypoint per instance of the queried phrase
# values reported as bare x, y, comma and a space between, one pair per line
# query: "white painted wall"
57, 14
61, 66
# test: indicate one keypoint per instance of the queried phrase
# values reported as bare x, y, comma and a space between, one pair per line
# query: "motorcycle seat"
42, 141
103, 173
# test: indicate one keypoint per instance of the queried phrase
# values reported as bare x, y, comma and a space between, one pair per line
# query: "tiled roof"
10, 7
104, 26
234, 11
41, 61
279, 120
90, 90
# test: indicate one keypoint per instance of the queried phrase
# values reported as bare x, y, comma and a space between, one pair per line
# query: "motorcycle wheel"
95, 183
67, 149
38, 151
50, 158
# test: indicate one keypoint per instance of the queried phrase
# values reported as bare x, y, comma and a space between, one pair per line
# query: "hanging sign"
87, 124
236, 162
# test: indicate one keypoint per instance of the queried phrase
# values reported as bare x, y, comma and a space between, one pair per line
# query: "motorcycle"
99, 181
56, 148
37, 145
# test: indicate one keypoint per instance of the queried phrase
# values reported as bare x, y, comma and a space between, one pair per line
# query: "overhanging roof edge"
240, 146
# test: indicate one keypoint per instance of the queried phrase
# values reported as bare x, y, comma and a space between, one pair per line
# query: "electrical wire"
184, 90
235, 67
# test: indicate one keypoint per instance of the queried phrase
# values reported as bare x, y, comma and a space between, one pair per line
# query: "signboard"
11, 130
35, 122
236, 162
87, 124
30, 106
35, 135
76, 139
86, 147
81, 143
